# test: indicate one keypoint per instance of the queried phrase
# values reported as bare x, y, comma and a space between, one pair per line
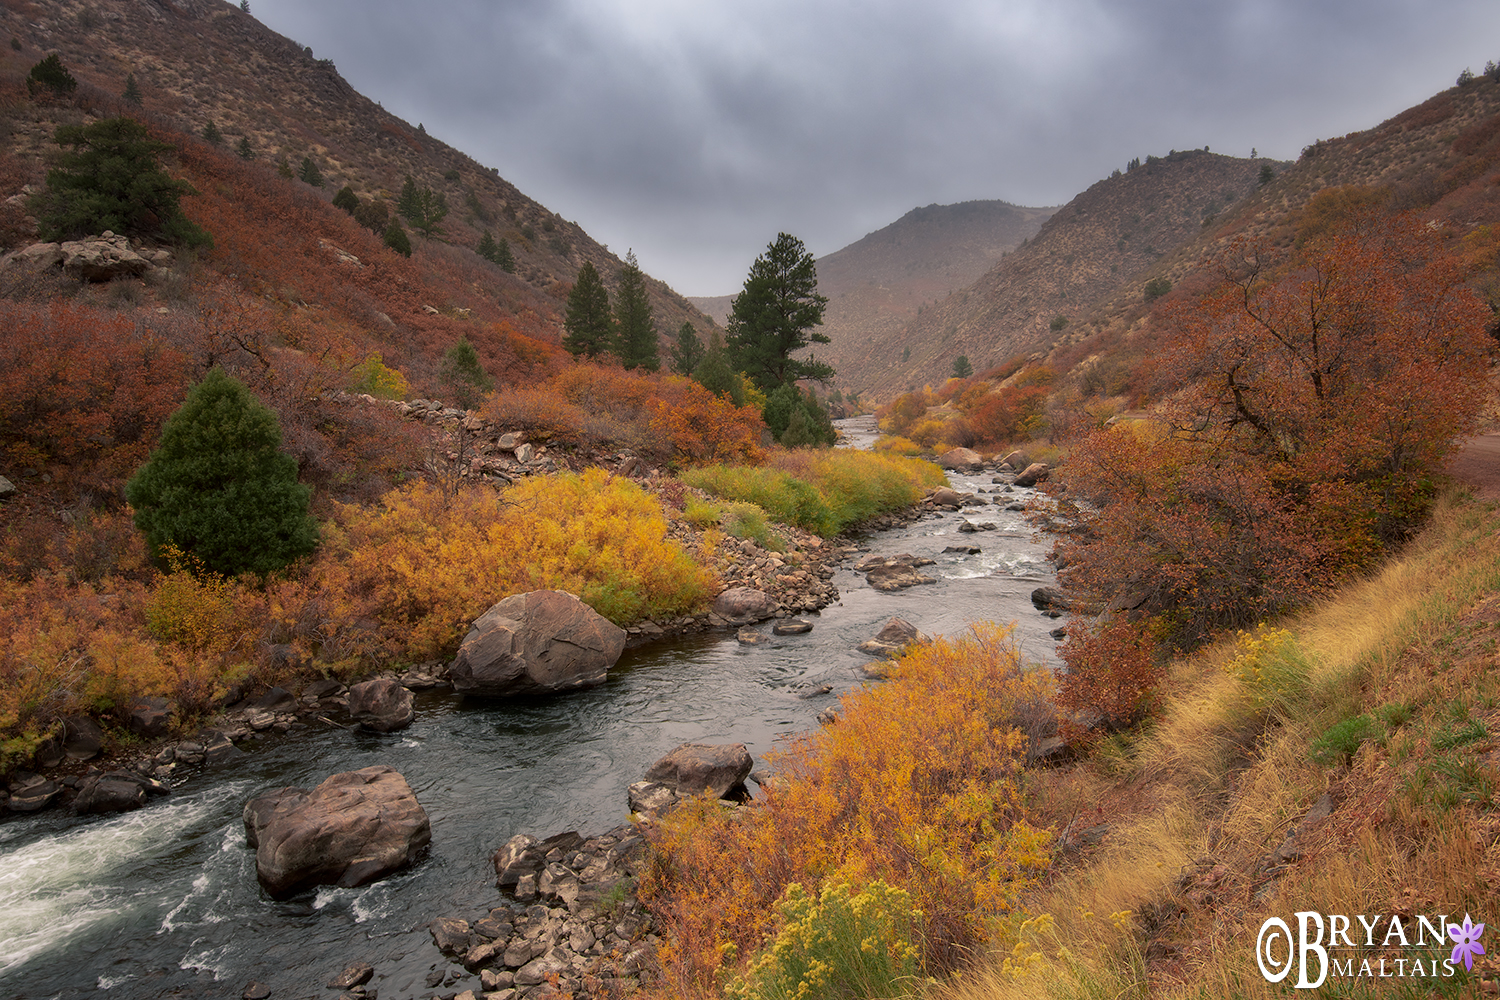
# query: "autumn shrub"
1315, 395
858, 485
431, 564
842, 941
917, 786
542, 413
781, 495
897, 445
1113, 671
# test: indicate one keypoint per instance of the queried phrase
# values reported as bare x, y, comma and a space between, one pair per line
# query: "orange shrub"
918, 785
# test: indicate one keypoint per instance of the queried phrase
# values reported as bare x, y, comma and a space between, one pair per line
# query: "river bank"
165, 898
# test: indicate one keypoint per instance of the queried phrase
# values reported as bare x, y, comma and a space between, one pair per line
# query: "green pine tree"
687, 353
132, 90
635, 341
50, 74
110, 180
346, 199
504, 257
465, 375
588, 322
284, 168
406, 202
219, 488
211, 133
246, 153
773, 317
715, 374
310, 173
423, 208
395, 237
962, 368
487, 247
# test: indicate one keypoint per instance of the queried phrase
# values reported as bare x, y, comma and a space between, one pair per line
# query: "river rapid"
164, 901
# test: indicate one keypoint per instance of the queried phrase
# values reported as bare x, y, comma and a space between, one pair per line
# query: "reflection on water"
164, 901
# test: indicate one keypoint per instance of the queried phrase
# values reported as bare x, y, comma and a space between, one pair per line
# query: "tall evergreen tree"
588, 322
487, 248
424, 208
219, 488
211, 133
465, 374
395, 237
504, 257
310, 173
50, 74
635, 328
110, 180
774, 316
406, 202
715, 374
246, 153
346, 199
132, 90
687, 353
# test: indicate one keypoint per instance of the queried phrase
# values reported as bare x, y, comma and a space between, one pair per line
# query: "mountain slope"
1094, 247
202, 61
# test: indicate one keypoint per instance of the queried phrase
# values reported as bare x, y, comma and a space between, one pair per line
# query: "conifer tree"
50, 74
635, 328
219, 488
110, 180
346, 199
211, 133
687, 353
588, 322
774, 316
487, 248
465, 375
132, 92
395, 237
310, 173
504, 257
715, 374
284, 169
962, 368
246, 153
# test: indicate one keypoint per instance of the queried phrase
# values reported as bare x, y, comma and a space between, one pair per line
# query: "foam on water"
54, 888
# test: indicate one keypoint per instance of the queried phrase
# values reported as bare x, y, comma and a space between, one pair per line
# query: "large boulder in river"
354, 828
1034, 473
539, 643
892, 640
743, 605
698, 767
963, 459
382, 705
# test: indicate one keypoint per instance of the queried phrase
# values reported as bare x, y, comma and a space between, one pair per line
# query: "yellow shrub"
433, 567
917, 785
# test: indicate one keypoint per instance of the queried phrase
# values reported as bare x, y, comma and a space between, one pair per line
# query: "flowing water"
164, 901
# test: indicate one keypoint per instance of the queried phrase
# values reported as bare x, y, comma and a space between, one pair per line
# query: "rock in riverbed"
544, 642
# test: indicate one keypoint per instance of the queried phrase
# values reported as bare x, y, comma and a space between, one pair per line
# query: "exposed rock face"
1034, 473
382, 705
98, 258
895, 636
743, 605
539, 643
694, 768
961, 458
150, 717
894, 572
354, 828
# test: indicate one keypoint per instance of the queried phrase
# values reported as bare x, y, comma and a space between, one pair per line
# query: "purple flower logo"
1466, 941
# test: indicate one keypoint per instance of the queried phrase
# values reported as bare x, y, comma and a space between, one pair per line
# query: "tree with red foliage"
1313, 397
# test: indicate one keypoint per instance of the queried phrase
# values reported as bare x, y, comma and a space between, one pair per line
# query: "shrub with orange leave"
1113, 671
918, 784
432, 566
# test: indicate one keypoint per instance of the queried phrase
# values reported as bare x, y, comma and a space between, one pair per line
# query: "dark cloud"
695, 130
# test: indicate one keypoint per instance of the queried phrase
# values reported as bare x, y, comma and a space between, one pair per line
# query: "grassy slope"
1191, 811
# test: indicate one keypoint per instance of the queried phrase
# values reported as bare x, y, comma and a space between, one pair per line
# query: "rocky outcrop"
743, 605
97, 258
354, 828
894, 572
893, 638
115, 791
541, 643
381, 705
695, 768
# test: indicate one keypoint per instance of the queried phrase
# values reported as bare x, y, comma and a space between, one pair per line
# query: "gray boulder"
961, 458
151, 717
381, 705
893, 638
82, 738
103, 258
354, 828
694, 768
743, 605
544, 642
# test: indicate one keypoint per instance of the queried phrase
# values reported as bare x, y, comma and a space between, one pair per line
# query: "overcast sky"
695, 130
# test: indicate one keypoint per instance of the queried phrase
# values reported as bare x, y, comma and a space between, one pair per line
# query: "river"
164, 901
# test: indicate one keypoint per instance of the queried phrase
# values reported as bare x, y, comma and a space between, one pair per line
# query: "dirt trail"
1478, 465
